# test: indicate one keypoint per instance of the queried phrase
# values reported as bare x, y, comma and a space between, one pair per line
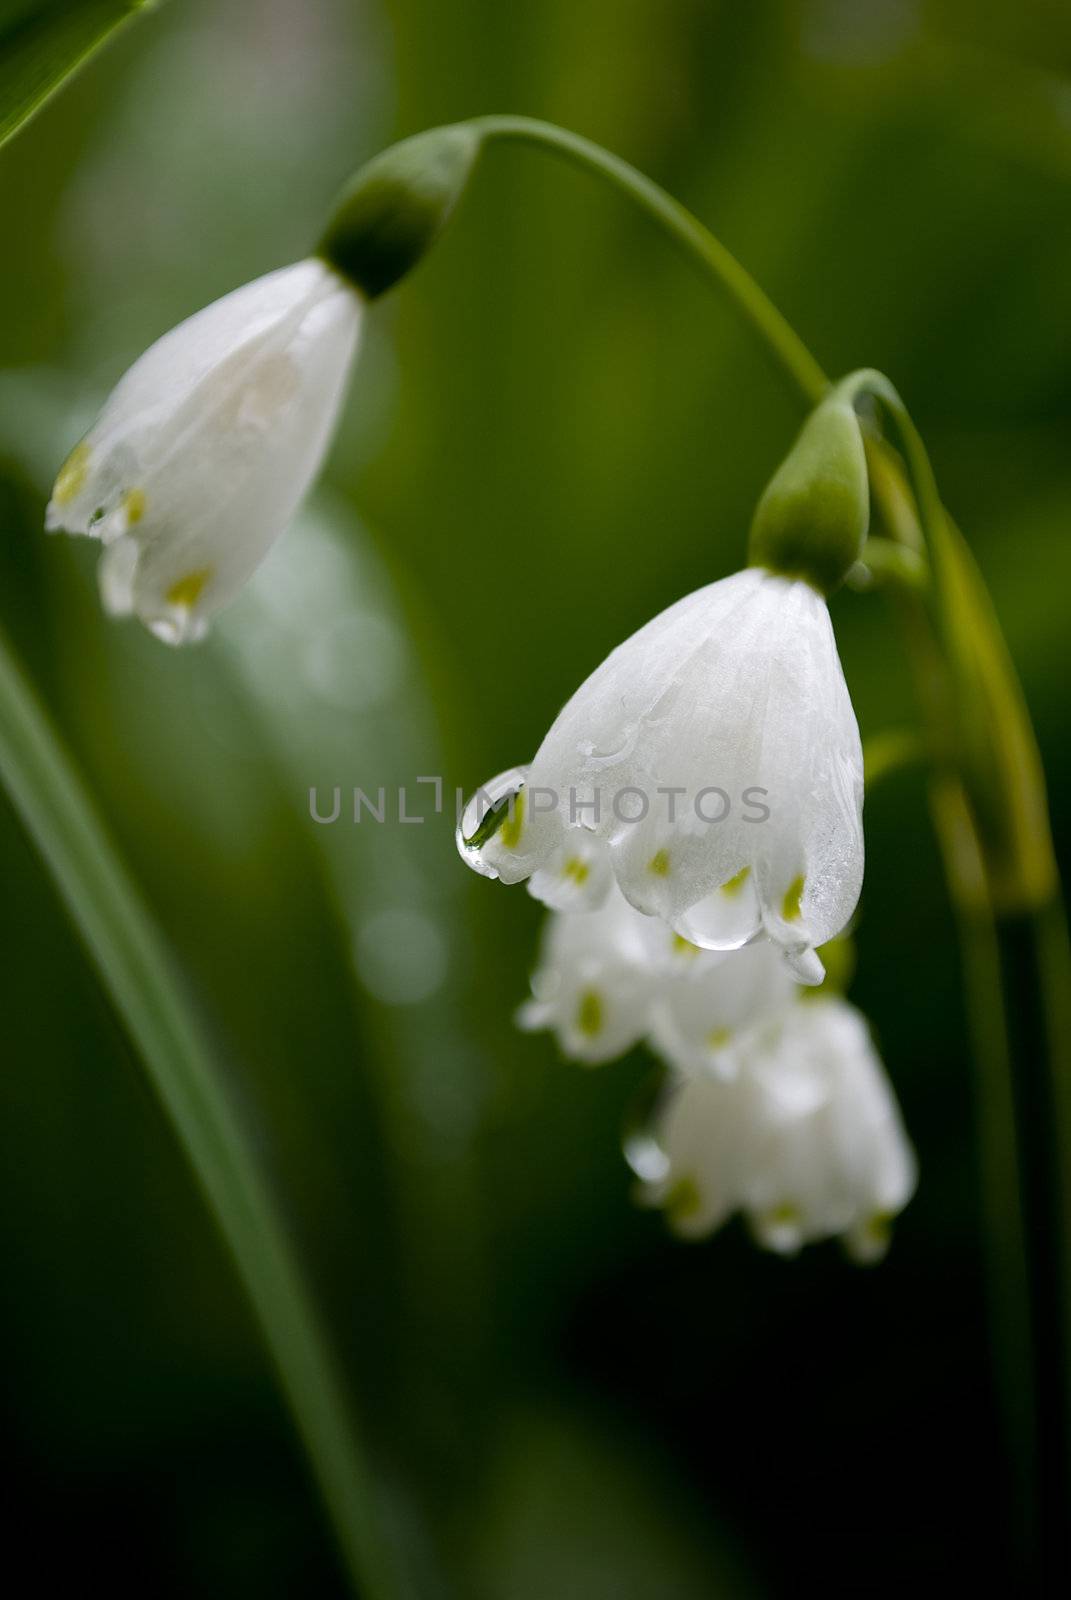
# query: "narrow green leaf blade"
42, 42
135, 968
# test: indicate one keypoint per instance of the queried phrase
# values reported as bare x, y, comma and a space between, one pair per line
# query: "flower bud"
813, 515
397, 205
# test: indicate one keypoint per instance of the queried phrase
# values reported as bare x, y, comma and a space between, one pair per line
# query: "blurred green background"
554, 431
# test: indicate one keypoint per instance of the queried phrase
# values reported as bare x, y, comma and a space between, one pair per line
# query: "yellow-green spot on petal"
72, 475
659, 864
683, 946
683, 1201
877, 1229
718, 1038
188, 590
589, 1016
735, 884
510, 832
134, 503
577, 870
790, 905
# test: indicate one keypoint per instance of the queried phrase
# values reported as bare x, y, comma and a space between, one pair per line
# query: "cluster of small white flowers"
695, 927
777, 1106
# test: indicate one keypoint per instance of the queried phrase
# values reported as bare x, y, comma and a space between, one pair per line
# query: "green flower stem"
697, 243
988, 809
134, 968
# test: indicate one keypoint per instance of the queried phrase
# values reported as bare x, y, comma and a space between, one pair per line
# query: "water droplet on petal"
483, 816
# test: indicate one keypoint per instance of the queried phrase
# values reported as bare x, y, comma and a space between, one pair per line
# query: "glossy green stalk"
133, 964
698, 245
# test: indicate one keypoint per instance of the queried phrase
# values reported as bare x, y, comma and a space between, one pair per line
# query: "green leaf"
41, 45
135, 968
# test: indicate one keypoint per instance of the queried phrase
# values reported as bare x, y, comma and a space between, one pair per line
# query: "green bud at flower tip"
395, 208
813, 516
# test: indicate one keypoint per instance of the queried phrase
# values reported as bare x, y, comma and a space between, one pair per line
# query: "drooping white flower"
595, 980
806, 1140
717, 755
610, 977
705, 1010
205, 448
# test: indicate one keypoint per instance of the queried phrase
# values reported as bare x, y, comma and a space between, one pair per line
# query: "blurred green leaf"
136, 971
1003, 764
576, 1510
42, 45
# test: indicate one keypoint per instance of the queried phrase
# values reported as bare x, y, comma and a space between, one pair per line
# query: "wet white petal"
594, 981
577, 876
806, 1140
703, 1015
722, 748
610, 976
206, 447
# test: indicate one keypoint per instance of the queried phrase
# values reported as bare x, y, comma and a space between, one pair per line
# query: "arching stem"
698, 245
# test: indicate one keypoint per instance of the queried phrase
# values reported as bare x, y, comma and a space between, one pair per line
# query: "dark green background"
554, 431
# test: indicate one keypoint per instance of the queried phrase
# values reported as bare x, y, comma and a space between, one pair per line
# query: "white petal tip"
116, 572
781, 1233
806, 967
533, 1016
180, 626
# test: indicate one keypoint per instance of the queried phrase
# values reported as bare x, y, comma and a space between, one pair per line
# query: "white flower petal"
594, 981
805, 1140
208, 444
703, 1018
721, 745
578, 875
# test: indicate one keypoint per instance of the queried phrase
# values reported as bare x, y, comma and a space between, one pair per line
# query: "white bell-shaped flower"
717, 755
806, 1140
610, 977
706, 1007
595, 980
205, 448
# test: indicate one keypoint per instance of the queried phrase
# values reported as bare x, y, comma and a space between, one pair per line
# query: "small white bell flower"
717, 755
595, 980
611, 977
206, 447
806, 1141
705, 1010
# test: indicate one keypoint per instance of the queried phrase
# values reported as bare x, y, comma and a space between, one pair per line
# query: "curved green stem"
134, 967
696, 242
